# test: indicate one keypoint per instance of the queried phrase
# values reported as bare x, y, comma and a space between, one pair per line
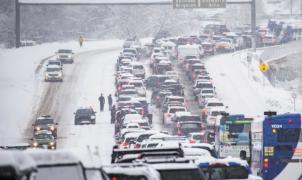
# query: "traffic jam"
168, 121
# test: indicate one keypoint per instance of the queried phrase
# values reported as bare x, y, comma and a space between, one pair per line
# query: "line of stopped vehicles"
161, 132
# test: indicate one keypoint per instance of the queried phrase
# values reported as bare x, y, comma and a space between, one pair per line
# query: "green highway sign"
183, 4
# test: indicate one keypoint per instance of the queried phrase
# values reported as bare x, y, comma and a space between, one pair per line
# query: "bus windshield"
235, 133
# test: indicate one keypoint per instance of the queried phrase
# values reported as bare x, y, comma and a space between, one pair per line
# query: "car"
205, 146
43, 139
196, 137
17, 165
143, 136
59, 165
131, 171
139, 86
138, 70
178, 171
202, 84
84, 115
227, 168
129, 140
45, 123
183, 128
53, 73
169, 99
171, 110
137, 118
54, 62
65, 55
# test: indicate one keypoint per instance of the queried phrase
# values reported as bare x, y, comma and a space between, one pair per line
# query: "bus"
232, 136
277, 146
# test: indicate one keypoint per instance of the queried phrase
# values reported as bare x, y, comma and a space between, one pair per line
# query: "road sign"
199, 4
263, 67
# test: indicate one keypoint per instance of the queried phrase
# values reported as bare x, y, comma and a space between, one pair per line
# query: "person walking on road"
150, 113
113, 111
102, 102
81, 40
110, 101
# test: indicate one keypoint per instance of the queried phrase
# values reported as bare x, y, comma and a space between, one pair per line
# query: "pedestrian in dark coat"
110, 101
102, 102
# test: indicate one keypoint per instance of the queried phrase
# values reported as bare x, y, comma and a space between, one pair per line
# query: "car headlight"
92, 117
35, 144
51, 143
59, 74
37, 128
52, 128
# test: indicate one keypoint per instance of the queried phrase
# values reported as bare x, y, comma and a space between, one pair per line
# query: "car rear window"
180, 174
174, 110
191, 125
227, 172
125, 177
215, 104
197, 137
138, 67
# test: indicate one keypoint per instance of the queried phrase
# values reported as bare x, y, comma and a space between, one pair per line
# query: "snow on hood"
17, 159
48, 157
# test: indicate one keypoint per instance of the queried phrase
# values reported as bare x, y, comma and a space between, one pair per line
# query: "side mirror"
57, 123
33, 124
31, 139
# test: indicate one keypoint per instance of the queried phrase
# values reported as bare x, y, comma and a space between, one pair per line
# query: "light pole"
294, 96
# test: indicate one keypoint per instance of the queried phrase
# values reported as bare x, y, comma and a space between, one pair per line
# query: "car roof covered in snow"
132, 169
49, 158
17, 159
196, 145
174, 166
229, 161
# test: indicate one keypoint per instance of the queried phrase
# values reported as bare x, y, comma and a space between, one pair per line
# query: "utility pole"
17, 23
253, 24
291, 7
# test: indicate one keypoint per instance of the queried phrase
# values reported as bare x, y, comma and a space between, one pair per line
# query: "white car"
171, 112
65, 55
138, 69
54, 73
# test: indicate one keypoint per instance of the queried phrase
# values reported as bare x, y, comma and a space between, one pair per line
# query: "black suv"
84, 115
45, 123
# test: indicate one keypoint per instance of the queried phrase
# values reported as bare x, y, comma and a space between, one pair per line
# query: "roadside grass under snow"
244, 89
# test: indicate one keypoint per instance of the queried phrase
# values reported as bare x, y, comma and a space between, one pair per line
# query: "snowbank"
244, 88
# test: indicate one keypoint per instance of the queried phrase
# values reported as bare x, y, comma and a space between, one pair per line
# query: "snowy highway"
84, 81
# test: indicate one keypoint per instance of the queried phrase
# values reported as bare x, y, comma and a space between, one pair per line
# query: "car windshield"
126, 177
191, 126
72, 172
225, 172
138, 67
180, 174
44, 121
174, 110
214, 104
204, 85
207, 91
84, 111
43, 136
65, 51
197, 137
54, 62
53, 69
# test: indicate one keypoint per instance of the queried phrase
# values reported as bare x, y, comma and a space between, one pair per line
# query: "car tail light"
265, 163
179, 132
289, 120
168, 114
142, 112
192, 141
124, 144
157, 97
137, 146
119, 88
